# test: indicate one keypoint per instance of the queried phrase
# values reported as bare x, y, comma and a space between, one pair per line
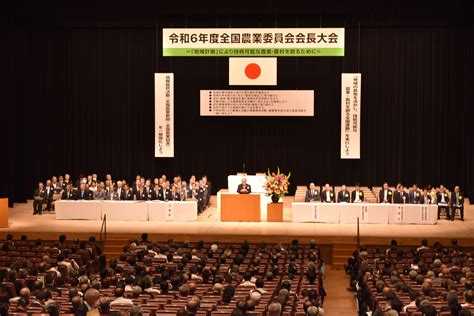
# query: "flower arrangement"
276, 184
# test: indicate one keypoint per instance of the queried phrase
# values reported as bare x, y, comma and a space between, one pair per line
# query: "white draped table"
185, 211
67, 209
179, 211
368, 213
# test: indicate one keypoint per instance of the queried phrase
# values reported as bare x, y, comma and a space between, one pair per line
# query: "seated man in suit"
157, 193
457, 203
111, 194
327, 195
343, 196
129, 194
120, 191
443, 202
385, 195
140, 194
312, 194
244, 188
100, 194
357, 196
39, 199
425, 197
174, 196
414, 195
82, 193
67, 194
400, 196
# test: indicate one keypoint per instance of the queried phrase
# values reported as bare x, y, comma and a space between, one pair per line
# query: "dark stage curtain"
78, 97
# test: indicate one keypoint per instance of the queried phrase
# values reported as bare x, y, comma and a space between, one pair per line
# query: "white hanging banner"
164, 115
350, 115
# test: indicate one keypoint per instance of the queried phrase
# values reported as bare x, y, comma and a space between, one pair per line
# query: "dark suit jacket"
39, 193
51, 192
312, 196
398, 197
121, 196
84, 196
425, 199
141, 196
446, 197
129, 195
353, 196
65, 196
324, 197
82, 310
156, 195
174, 196
343, 196
460, 199
244, 186
414, 197
389, 195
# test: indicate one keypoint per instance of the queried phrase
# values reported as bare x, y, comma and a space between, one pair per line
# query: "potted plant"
276, 185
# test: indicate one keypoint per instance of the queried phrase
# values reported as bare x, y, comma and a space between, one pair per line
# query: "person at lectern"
357, 196
244, 188
343, 196
385, 195
327, 195
312, 194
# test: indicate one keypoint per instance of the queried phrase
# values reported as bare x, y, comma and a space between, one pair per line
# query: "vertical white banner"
164, 115
350, 115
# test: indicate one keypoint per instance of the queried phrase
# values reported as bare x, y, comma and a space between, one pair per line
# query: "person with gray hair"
136, 311
312, 311
91, 298
274, 309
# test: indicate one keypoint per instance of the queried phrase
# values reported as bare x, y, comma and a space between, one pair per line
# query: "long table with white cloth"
368, 213
178, 211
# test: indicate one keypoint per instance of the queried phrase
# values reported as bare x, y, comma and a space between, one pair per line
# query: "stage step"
341, 252
113, 248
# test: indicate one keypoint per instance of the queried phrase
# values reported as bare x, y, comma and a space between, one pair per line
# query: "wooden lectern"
240, 207
275, 212
3, 213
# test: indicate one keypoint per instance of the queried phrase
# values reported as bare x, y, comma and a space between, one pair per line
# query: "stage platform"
210, 228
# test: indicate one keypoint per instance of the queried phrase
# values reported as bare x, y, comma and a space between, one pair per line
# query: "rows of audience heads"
429, 276
72, 275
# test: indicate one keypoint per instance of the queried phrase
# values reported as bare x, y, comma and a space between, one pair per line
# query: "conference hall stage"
210, 228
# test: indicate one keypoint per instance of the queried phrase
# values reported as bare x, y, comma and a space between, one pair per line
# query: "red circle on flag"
253, 71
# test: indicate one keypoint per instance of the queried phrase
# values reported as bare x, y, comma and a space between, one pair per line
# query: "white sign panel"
257, 102
164, 115
350, 115
205, 42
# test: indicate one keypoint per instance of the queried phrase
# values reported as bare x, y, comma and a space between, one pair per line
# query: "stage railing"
103, 230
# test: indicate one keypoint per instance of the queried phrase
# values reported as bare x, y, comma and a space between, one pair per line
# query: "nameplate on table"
400, 213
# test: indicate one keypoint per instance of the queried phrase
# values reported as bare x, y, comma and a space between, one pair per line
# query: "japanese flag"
252, 71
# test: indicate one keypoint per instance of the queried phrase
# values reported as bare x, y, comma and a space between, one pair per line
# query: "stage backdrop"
78, 94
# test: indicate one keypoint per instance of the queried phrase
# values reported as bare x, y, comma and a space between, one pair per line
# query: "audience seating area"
438, 279
168, 278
